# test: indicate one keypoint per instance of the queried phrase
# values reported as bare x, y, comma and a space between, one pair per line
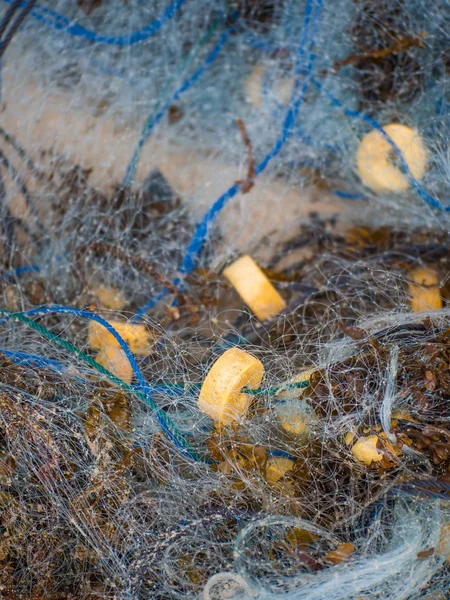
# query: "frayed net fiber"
225, 326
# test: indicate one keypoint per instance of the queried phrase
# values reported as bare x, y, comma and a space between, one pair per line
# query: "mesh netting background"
145, 146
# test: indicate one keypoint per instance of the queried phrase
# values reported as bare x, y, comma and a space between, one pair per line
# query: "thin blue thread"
434, 202
143, 386
281, 453
308, 141
21, 271
153, 121
347, 195
32, 359
255, 42
150, 304
201, 232
61, 23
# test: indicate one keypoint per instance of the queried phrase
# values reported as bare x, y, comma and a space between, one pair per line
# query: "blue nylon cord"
201, 232
347, 195
434, 202
143, 387
32, 359
61, 23
154, 120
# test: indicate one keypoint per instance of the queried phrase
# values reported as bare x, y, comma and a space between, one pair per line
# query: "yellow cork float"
115, 360
424, 290
220, 396
374, 158
254, 288
136, 335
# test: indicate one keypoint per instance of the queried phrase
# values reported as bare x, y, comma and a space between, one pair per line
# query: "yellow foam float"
254, 288
115, 360
295, 392
109, 297
294, 417
281, 89
220, 396
374, 158
136, 335
253, 86
424, 290
277, 467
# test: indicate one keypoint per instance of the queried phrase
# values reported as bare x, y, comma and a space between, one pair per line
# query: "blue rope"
178, 439
45, 310
280, 453
10, 275
150, 304
61, 23
40, 361
32, 359
297, 97
143, 387
154, 120
347, 195
254, 41
308, 141
434, 202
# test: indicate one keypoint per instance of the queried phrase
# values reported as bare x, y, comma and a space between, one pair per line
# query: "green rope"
161, 415
195, 387
274, 390
98, 367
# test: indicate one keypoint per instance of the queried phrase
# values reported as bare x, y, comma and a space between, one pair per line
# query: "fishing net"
166, 430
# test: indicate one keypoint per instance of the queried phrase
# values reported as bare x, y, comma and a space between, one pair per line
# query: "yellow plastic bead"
281, 89
277, 467
294, 417
374, 153
109, 297
304, 376
424, 290
220, 395
374, 428
115, 360
365, 450
253, 86
137, 336
254, 288
342, 553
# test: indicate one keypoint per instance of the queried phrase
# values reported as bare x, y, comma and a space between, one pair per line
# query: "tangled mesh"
144, 147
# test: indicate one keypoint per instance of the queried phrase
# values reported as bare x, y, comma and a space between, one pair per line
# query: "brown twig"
404, 42
88, 6
247, 184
